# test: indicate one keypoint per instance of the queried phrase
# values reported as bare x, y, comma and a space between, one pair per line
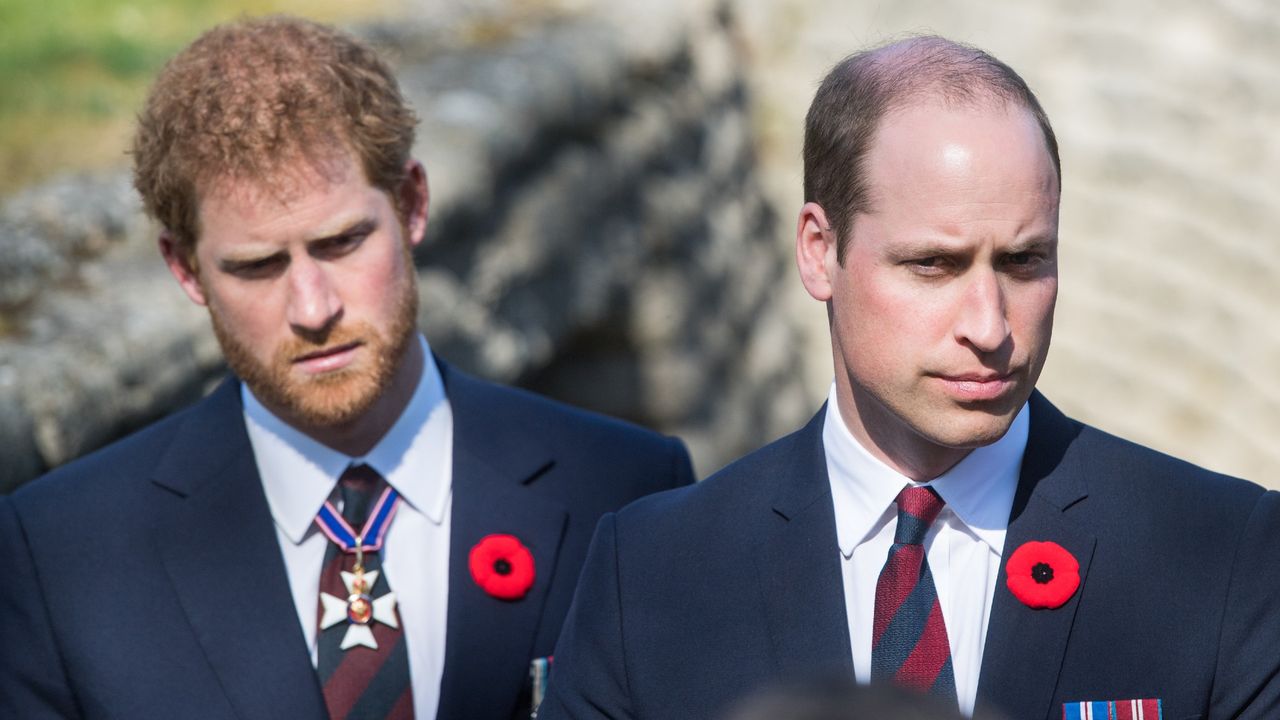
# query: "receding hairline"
930, 69
950, 75
860, 94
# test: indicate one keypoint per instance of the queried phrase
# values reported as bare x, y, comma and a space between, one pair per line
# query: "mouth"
980, 386
327, 359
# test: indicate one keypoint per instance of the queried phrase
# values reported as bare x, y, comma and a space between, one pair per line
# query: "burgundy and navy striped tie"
909, 646
362, 683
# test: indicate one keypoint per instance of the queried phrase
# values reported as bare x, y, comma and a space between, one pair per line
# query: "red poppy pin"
1042, 574
502, 566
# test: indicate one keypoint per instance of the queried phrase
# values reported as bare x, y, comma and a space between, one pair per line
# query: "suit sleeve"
33, 683
588, 674
1247, 680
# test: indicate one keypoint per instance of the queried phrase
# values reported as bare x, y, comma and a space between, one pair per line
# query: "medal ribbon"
375, 528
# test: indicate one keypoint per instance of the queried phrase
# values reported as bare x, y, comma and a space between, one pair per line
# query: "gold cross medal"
359, 609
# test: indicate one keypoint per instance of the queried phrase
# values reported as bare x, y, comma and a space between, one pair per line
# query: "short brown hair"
861, 89
249, 99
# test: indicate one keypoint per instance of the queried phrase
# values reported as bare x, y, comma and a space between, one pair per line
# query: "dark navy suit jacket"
692, 598
146, 581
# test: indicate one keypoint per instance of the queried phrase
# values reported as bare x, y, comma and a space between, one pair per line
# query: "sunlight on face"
942, 313
312, 294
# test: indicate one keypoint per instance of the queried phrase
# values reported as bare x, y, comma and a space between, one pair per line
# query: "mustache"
299, 347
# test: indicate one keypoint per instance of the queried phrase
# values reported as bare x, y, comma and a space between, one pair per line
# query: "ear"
815, 251
415, 198
182, 265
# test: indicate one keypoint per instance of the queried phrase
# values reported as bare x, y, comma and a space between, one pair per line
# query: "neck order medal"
359, 609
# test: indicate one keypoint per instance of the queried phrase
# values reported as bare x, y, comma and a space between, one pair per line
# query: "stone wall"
596, 234
1166, 114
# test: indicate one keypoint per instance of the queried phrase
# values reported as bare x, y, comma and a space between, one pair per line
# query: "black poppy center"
1042, 573
503, 567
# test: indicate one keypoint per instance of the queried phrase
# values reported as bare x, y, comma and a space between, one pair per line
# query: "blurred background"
614, 189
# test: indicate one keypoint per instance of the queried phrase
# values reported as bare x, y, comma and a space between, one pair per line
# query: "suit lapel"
799, 565
489, 640
219, 548
1025, 647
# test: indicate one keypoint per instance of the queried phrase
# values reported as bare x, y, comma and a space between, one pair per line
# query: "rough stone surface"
47, 232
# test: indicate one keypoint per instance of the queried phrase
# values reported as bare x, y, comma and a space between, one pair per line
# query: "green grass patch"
73, 73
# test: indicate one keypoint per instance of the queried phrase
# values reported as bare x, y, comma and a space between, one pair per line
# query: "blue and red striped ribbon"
370, 538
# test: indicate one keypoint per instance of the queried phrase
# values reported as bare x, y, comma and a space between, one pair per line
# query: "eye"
1028, 262
338, 246
259, 269
931, 265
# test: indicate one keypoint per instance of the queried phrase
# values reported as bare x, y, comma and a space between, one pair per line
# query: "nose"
314, 303
982, 322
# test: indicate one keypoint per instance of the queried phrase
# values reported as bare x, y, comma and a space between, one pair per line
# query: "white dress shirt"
963, 547
416, 458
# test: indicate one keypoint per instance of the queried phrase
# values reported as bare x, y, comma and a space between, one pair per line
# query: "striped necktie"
361, 682
909, 646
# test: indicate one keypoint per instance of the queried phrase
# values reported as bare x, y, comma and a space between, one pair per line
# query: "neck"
891, 441
359, 436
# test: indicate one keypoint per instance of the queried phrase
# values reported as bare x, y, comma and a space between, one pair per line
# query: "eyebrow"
363, 226
235, 264
934, 248
1035, 242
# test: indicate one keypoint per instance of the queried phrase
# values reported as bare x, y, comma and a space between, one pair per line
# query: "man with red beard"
347, 528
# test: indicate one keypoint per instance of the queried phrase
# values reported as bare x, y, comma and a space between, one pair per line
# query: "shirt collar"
298, 473
978, 490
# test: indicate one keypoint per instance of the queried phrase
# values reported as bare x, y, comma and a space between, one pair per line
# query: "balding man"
938, 524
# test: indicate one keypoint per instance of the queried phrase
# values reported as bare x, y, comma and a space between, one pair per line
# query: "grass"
74, 72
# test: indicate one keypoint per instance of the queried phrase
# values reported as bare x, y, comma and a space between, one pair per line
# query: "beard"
334, 398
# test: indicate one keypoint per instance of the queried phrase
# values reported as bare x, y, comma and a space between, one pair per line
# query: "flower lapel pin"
1042, 574
502, 566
